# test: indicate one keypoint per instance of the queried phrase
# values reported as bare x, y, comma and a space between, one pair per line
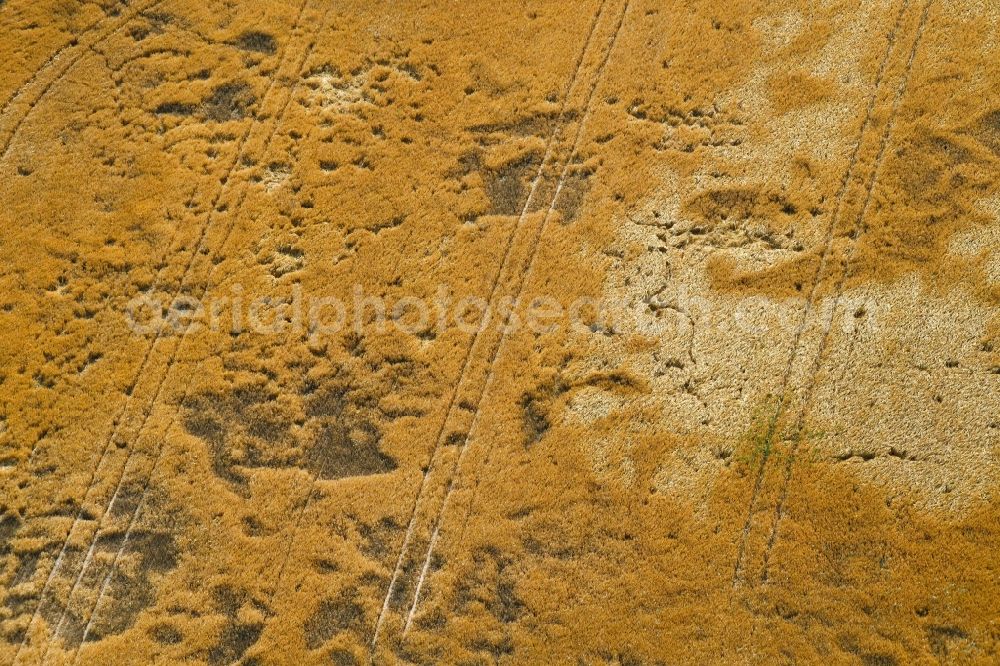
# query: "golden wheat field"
523, 332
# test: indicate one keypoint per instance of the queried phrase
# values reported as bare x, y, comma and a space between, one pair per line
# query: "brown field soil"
769, 432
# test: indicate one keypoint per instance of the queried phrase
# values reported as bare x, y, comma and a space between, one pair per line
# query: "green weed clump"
773, 434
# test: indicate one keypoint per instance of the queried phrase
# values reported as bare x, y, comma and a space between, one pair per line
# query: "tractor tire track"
84, 49
467, 361
453, 477
199, 249
771, 429
779, 510
491, 354
279, 118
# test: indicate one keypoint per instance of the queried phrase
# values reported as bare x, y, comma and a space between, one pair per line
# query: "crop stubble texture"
783, 447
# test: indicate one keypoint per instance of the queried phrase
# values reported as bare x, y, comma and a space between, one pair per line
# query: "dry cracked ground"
737, 399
